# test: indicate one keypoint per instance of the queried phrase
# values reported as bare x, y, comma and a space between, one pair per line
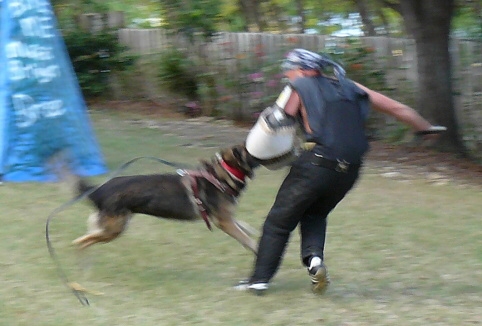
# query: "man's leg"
280, 222
301, 188
313, 231
313, 235
313, 224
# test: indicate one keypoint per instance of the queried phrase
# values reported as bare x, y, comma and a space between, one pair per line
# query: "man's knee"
280, 224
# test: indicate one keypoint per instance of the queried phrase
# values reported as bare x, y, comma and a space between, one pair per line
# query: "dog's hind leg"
102, 228
230, 227
88, 240
93, 231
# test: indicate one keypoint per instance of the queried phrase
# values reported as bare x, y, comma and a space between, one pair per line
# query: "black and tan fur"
170, 196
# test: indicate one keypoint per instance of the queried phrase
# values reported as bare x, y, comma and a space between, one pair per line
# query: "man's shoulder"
303, 81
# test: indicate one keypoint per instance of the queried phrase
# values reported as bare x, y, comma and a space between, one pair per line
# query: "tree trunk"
277, 16
368, 27
301, 13
386, 24
429, 23
250, 10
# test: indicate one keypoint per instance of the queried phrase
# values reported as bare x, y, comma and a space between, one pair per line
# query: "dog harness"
194, 175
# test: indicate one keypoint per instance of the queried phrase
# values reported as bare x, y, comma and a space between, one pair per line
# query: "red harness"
195, 174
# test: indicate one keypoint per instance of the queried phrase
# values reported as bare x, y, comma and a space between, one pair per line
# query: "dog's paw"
77, 287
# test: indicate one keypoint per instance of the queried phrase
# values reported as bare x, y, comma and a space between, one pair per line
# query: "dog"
209, 192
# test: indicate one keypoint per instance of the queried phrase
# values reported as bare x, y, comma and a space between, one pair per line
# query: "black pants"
306, 196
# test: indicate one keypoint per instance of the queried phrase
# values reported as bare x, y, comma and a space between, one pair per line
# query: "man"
331, 112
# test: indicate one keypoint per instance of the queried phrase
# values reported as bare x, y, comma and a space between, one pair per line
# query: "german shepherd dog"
209, 192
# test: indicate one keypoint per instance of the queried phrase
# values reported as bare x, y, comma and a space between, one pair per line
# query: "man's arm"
396, 109
294, 107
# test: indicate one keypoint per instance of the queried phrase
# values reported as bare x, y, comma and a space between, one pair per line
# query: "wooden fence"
397, 56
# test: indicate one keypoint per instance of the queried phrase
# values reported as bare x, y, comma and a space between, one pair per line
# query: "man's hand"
433, 130
429, 136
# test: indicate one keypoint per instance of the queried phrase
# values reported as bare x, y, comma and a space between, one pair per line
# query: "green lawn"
399, 253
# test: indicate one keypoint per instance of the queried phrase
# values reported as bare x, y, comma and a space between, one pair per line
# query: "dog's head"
237, 157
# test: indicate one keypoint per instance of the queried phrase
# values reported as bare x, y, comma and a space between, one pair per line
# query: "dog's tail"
82, 186
73, 183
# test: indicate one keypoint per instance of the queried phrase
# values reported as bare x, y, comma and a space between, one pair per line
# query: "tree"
192, 16
468, 19
251, 13
300, 9
429, 23
362, 8
374, 19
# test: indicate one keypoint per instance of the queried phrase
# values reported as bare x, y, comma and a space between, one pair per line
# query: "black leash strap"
79, 294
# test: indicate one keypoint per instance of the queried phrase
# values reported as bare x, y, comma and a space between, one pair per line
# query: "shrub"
361, 64
94, 57
176, 73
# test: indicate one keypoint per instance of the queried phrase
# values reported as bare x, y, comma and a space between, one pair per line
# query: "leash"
202, 209
77, 291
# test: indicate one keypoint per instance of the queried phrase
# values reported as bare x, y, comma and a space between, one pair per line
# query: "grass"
399, 253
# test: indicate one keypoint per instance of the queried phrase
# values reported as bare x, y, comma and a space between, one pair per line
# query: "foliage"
254, 87
209, 16
94, 57
258, 79
67, 11
192, 16
237, 87
136, 10
468, 23
249, 81
243, 84
176, 73
360, 63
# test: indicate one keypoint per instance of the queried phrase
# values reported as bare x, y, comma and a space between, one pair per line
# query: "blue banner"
42, 110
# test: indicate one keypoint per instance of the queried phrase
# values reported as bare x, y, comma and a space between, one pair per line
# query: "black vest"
336, 112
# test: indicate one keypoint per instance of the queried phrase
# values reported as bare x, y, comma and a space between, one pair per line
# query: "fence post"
115, 19
92, 23
96, 22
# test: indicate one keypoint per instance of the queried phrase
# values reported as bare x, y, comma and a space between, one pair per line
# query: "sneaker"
319, 276
256, 288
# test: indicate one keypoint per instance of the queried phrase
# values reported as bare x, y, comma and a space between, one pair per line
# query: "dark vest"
336, 112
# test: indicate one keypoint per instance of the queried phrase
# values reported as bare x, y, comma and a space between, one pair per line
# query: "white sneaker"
257, 288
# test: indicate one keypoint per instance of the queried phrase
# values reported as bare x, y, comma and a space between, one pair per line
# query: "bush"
361, 64
177, 74
94, 57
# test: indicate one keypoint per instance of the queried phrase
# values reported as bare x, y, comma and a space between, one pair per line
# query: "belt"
338, 165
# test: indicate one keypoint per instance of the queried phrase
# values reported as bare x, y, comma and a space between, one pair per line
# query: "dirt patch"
403, 162
416, 162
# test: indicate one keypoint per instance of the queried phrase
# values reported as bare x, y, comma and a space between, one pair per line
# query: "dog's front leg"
229, 226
